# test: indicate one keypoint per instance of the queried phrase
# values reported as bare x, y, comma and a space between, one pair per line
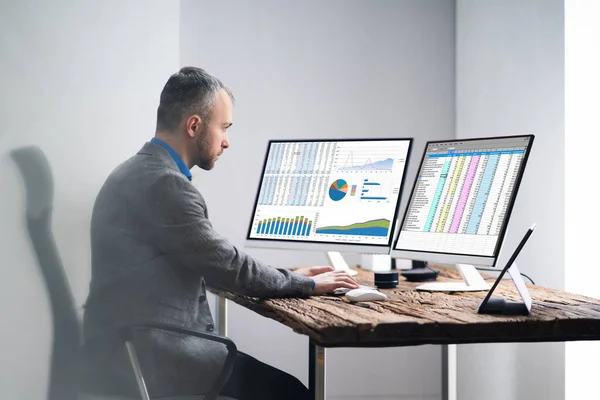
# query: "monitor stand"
473, 282
338, 263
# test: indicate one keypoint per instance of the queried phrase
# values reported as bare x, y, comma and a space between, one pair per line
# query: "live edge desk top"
410, 317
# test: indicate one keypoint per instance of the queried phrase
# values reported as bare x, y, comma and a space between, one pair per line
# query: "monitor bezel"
325, 245
461, 258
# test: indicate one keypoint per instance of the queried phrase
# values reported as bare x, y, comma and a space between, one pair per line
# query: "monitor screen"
462, 199
330, 191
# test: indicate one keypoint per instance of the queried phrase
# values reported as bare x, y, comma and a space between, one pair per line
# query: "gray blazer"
153, 253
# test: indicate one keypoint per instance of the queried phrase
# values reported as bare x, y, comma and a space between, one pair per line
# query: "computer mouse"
339, 291
355, 295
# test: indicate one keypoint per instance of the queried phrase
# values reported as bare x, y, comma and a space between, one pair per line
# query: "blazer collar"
156, 150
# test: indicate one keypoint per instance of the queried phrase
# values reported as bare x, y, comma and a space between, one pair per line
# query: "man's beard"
205, 160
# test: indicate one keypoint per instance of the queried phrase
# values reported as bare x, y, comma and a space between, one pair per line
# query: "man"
154, 251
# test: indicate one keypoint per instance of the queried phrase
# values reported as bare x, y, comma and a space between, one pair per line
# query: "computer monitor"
331, 195
461, 203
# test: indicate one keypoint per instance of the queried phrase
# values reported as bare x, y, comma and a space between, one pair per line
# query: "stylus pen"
519, 247
527, 234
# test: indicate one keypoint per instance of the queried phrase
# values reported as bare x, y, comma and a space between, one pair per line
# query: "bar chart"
299, 226
372, 190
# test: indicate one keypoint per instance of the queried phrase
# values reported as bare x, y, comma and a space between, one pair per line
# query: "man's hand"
312, 271
329, 281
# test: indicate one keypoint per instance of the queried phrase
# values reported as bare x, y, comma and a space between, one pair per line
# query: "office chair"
66, 356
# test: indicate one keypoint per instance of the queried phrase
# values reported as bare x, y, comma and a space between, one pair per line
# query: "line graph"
368, 157
368, 165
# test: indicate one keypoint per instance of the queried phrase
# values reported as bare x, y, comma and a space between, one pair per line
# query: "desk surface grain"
410, 317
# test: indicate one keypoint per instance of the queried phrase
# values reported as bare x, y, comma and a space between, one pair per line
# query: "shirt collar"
180, 164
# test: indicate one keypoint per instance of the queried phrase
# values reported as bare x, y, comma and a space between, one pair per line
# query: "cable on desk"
496, 270
531, 280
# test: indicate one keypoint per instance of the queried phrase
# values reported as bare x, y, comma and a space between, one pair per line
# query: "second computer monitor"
331, 195
462, 199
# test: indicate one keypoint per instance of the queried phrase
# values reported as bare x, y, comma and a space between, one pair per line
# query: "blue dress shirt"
180, 164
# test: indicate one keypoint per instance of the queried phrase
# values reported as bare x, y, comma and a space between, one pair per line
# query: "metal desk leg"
316, 371
449, 386
221, 314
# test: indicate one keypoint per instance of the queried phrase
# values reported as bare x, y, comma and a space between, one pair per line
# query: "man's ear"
193, 125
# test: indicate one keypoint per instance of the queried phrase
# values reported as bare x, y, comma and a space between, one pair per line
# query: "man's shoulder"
141, 165
144, 172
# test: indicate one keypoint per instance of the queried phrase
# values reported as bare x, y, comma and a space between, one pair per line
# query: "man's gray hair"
191, 90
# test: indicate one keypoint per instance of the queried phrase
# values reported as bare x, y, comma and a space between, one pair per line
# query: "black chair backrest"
39, 188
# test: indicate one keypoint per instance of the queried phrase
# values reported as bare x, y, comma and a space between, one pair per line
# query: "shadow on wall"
71, 376
39, 189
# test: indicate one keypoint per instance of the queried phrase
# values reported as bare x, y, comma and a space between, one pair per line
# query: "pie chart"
338, 190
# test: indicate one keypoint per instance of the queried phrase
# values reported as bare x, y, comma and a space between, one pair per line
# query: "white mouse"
346, 290
365, 295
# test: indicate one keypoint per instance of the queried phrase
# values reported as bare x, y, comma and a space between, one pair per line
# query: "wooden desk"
410, 317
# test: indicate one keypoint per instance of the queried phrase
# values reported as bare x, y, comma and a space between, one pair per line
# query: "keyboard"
346, 290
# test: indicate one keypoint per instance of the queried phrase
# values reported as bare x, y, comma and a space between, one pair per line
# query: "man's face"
212, 141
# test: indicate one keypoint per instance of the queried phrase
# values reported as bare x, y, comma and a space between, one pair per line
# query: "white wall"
510, 80
322, 69
582, 85
82, 82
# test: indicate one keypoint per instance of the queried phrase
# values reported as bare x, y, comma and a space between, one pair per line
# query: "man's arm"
180, 228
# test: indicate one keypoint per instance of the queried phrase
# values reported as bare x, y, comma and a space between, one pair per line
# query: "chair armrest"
126, 333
